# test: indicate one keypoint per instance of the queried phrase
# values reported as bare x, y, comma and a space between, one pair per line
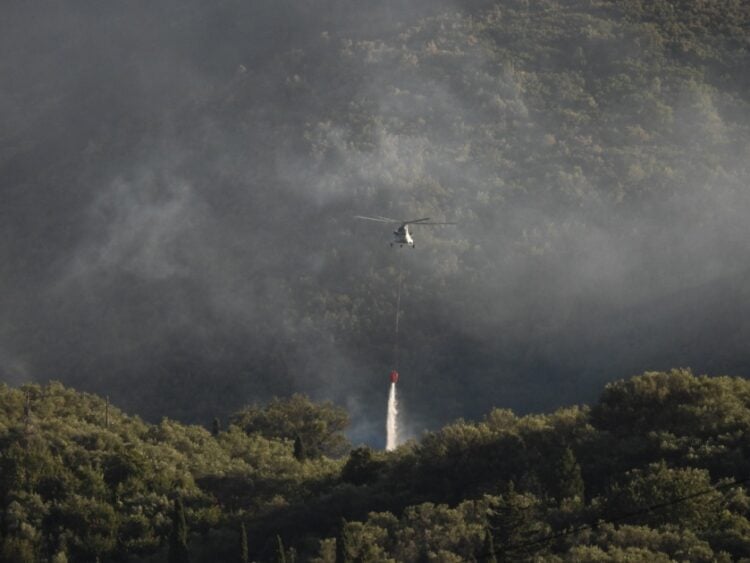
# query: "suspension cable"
398, 312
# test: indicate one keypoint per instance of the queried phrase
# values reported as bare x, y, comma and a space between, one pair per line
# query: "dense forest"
655, 470
179, 181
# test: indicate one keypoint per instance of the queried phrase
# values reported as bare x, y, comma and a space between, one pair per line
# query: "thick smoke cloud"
178, 190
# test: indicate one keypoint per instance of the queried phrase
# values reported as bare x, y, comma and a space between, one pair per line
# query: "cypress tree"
215, 427
178, 550
299, 449
488, 548
514, 520
244, 557
280, 551
342, 544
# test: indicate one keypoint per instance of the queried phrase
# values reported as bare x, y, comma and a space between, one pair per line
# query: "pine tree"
244, 557
568, 477
215, 427
178, 550
514, 521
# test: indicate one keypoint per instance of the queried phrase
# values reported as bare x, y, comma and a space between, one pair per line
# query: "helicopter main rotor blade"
378, 219
422, 221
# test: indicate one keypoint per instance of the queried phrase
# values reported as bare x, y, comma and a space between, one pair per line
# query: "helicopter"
402, 235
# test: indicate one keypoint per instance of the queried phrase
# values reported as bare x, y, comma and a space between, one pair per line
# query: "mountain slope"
180, 182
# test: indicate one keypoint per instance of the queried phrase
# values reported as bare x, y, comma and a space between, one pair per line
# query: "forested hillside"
654, 470
179, 181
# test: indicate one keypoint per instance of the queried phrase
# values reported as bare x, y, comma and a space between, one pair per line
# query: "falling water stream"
391, 426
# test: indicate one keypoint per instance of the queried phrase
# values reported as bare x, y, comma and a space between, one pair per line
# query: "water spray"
391, 426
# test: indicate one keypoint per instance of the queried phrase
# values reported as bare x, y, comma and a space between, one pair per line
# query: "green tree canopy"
318, 426
659, 495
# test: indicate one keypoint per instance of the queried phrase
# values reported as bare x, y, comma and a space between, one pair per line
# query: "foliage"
74, 486
361, 467
654, 470
318, 427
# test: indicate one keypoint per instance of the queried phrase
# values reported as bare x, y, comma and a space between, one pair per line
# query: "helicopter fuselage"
402, 236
